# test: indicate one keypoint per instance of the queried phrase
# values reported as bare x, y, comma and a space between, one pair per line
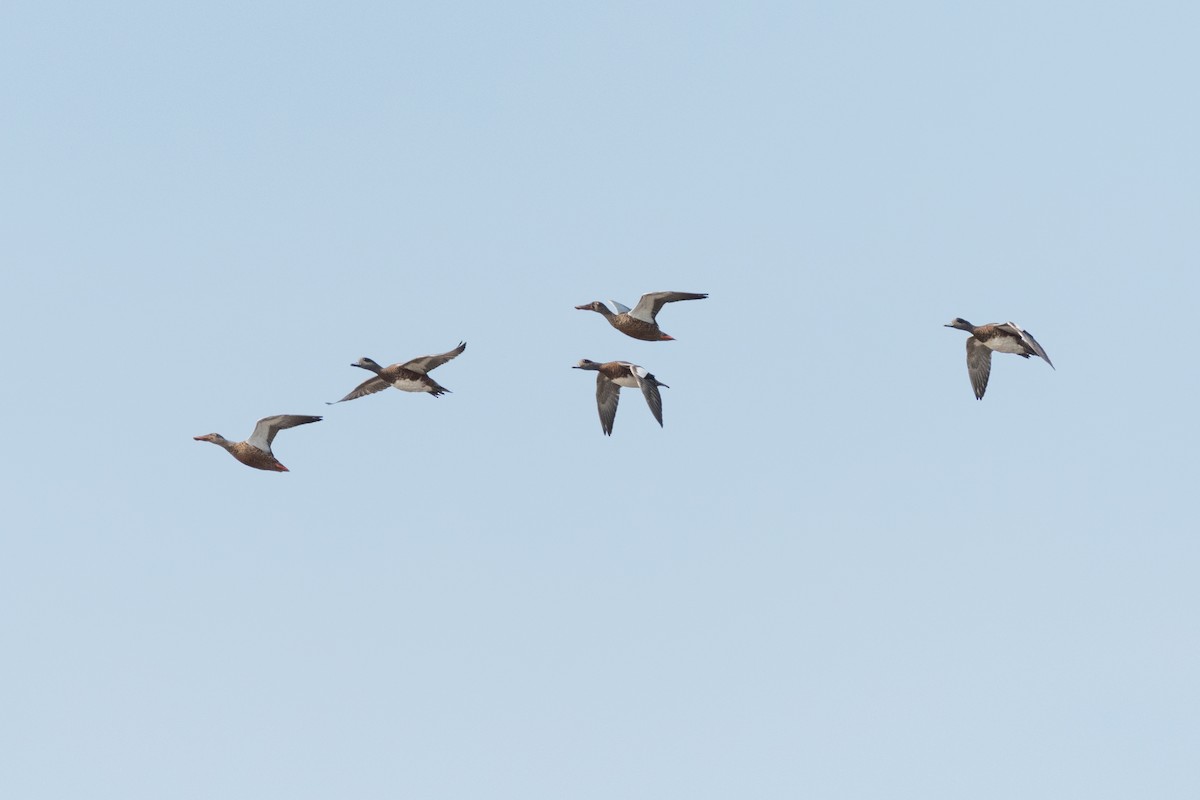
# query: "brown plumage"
1002, 337
610, 377
639, 322
256, 451
411, 376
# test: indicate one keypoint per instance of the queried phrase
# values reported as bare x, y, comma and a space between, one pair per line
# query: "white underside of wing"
259, 439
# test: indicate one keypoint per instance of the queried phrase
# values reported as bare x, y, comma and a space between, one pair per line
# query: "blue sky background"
833, 573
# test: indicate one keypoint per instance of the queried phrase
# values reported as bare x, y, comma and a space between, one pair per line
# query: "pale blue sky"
832, 574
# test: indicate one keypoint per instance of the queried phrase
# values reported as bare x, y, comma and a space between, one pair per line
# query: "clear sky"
832, 574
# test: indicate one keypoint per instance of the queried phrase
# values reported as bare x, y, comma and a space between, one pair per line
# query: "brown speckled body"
646, 331
251, 456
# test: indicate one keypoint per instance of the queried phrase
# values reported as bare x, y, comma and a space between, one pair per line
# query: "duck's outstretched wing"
1027, 338
608, 395
423, 364
649, 386
979, 365
267, 427
650, 304
369, 386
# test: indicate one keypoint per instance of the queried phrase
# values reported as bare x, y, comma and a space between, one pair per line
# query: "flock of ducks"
411, 376
639, 322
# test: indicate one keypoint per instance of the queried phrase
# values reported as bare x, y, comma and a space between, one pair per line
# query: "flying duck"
639, 322
411, 376
1003, 337
256, 451
610, 377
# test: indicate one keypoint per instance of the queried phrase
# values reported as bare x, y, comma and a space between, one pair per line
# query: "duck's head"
586, 363
215, 438
367, 363
961, 324
596, 306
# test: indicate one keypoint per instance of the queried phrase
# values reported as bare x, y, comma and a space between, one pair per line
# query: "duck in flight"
411, 376
639, 322
610, 377
1003, 337
256, 451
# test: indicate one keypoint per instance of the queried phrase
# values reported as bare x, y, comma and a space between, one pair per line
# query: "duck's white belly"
1005, 344
630, 380
406, 385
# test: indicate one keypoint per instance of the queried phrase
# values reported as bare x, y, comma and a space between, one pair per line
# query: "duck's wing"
369, 386
649, 386
423, 364
267, 427
608, 394
650, 304
620, 307
1028, 339
979, 365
